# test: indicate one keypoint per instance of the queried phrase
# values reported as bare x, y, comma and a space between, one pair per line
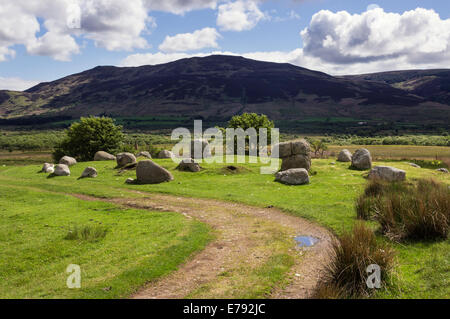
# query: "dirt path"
246, 238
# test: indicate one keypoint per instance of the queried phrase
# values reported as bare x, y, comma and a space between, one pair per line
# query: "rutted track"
246, 236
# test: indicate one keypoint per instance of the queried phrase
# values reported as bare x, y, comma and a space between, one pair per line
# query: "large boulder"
293, 176
387, 173
125, 158
296, 161
361, 159
104, 156
148, 172
61, 170
300, 147
200, 146
443, 170
144, 154
284, 149
188, 164
48, 168
89, 172
165, 154
345, 156
67, 160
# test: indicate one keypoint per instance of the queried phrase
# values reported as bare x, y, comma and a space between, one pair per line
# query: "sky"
43, 40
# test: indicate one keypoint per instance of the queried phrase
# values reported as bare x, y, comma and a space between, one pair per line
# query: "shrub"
83, 139
86, 232
418, 211
351, 254
422, 212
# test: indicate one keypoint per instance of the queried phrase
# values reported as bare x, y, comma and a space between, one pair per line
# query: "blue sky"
40, 46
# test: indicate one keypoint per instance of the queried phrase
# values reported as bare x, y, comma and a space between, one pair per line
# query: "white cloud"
16, 84
375, 35
372, 6
111, 24
180, 6
59, 46
239, 15
199, 39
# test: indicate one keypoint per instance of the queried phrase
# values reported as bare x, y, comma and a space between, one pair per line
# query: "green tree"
248, 120
318, 146
89, 135
252, 120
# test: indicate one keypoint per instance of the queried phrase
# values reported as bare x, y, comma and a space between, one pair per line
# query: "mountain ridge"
218, 87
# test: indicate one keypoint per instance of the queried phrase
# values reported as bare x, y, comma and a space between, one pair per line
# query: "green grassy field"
423, 269
138, 246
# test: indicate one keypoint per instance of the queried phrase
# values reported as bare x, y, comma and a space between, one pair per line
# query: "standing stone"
61, 170
296, 161
387, 173
344, 156
284, 149
442, 170
48, 168
165, 154
89, 172
148, 172
104, 156
202, 147
67, 160
188, 164
361, 159
125, 158
300, 147
144, 154
293, 176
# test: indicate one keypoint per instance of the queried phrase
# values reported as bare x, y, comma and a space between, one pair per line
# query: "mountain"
217, 87
434, 85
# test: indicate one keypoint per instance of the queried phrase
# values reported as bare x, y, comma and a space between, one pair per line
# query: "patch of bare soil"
246, 237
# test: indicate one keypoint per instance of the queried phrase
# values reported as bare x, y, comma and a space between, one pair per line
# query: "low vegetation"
86, 232
418, 211
117, 249
352, 252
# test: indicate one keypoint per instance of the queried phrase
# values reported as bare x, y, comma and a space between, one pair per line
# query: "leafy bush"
420, 211
351, 254
88, 136
86, 232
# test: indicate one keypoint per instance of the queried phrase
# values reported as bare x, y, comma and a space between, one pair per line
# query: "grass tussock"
352, 253
419, 211
86, 232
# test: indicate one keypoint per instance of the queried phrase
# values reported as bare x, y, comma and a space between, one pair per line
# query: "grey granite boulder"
48, 168
361, 159
125, 158
67, 160
148, 172
144, 154
188, 164
61, 170
344, 156
89, 172
165, 154
104, 156
293, 176
387, 173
